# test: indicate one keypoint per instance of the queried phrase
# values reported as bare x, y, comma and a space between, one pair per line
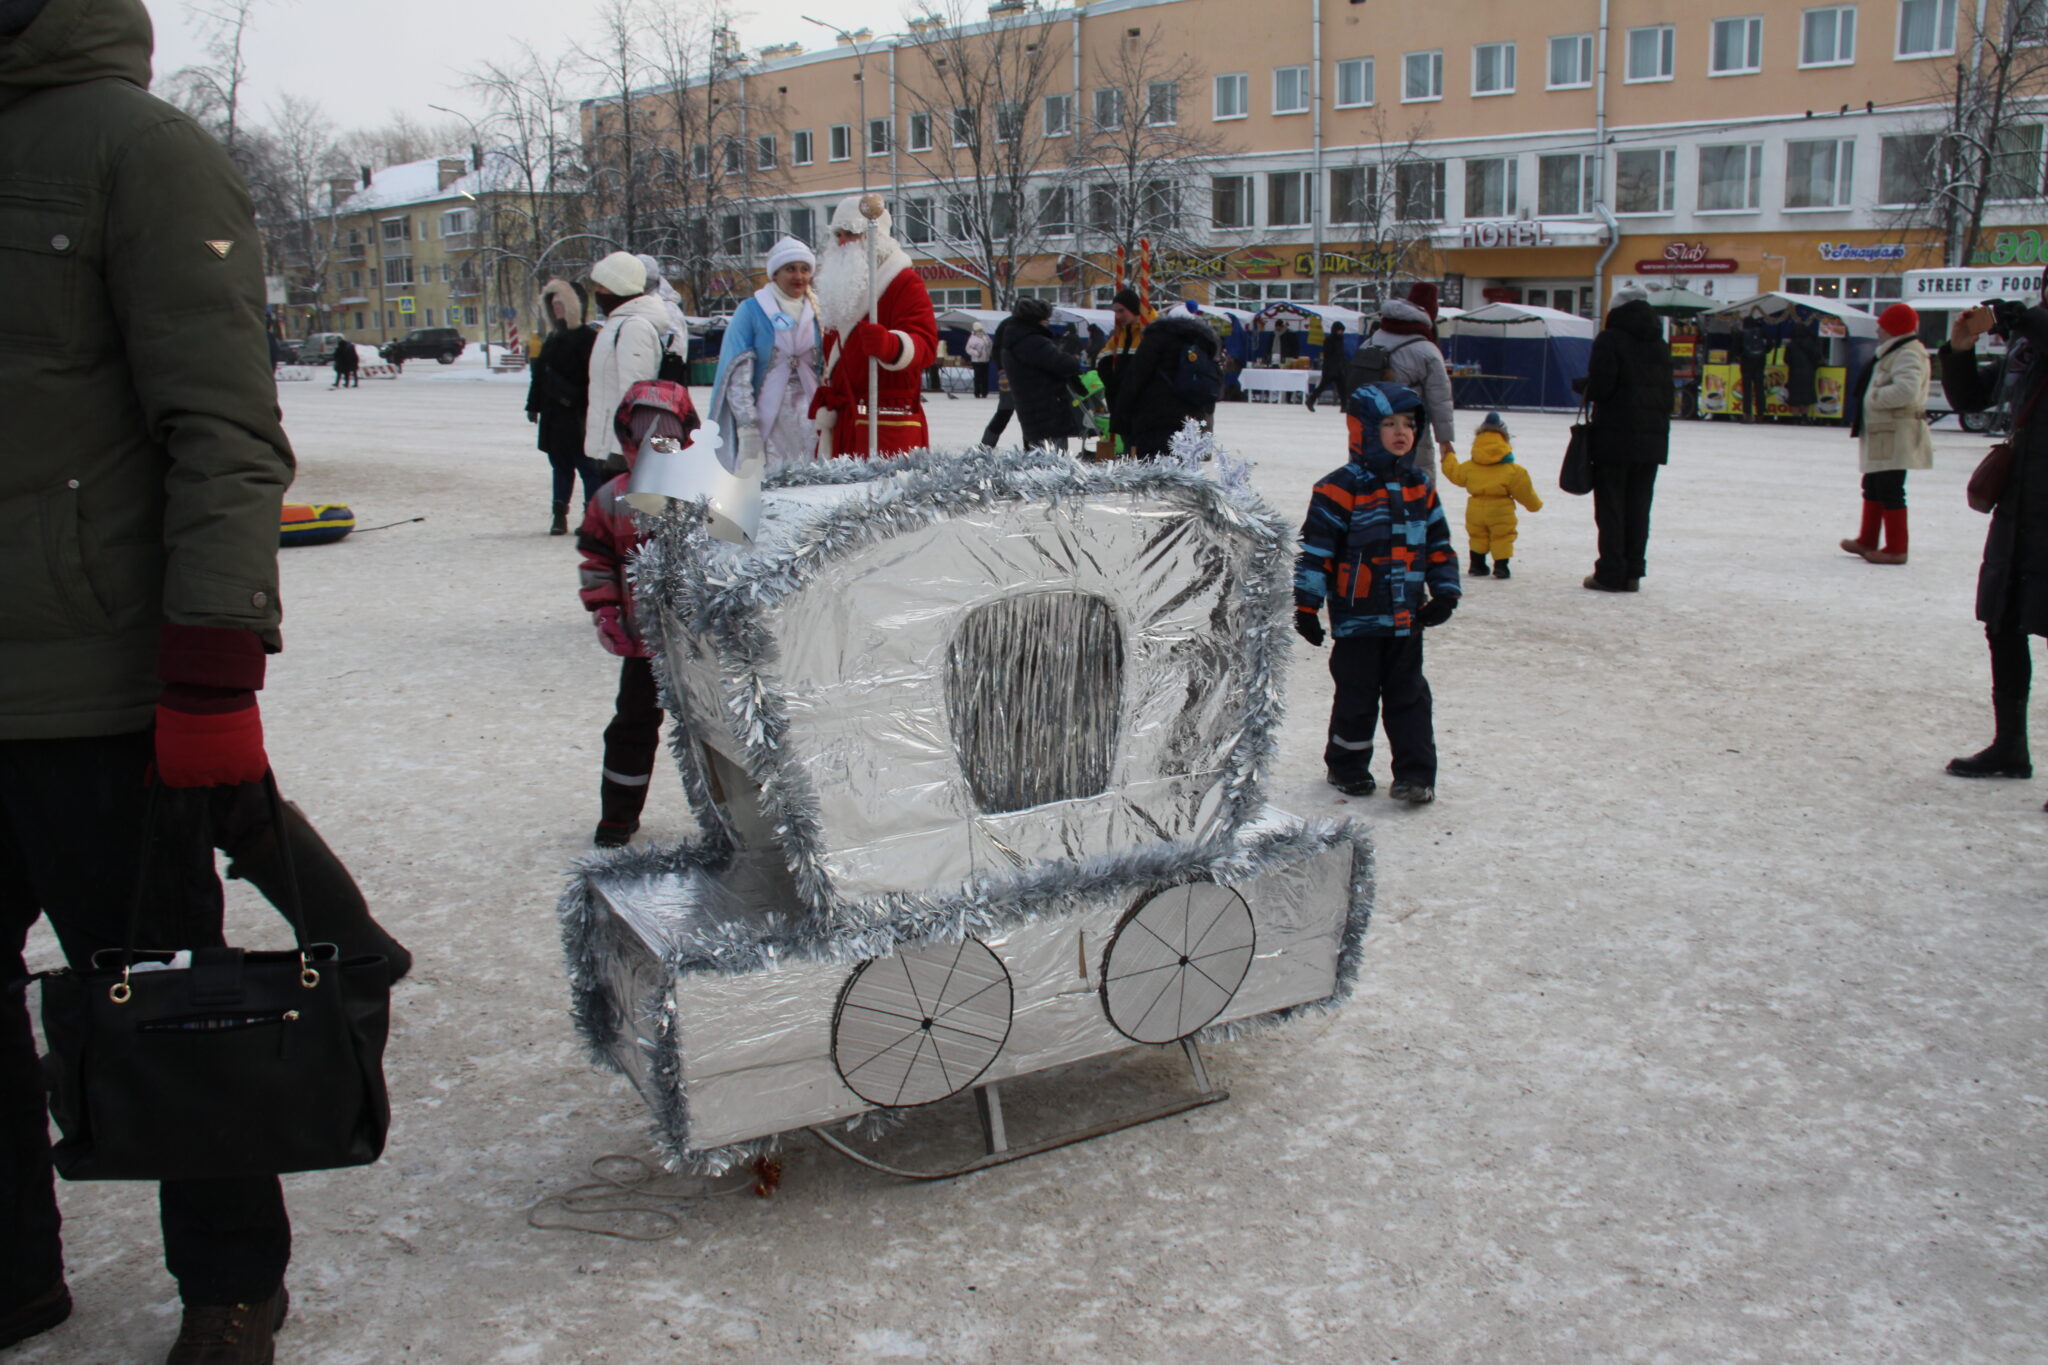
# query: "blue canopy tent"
1528, 356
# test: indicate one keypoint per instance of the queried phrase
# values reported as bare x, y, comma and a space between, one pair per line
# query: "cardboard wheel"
923, 1023
1176, 961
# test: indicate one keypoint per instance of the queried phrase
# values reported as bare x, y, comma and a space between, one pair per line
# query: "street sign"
405, 303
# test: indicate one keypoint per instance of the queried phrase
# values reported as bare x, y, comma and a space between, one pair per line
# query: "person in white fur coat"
628, 350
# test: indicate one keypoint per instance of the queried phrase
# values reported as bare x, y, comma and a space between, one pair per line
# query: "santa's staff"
871, 209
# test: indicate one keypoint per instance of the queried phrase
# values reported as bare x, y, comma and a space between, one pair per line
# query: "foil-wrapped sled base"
694, 971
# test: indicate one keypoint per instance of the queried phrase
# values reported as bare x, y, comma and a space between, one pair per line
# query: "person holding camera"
2012, 584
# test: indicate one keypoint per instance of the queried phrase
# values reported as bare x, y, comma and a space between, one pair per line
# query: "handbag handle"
295, 915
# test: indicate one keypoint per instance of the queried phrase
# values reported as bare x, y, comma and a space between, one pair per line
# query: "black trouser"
1886, 488
981, 379
1034, 437
996, 424
71, 815
1380, 675
2012, 679
1753, 395
1329, 382
1622, 490
568, 468
631, 741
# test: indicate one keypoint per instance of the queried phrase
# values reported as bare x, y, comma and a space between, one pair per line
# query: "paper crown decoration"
669, 472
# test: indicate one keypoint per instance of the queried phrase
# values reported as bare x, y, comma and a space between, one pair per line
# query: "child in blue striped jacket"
1376, 548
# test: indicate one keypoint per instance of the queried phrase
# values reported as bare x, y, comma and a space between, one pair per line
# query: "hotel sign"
1512, 232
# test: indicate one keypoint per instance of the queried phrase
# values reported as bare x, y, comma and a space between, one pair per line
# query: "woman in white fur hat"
768, 366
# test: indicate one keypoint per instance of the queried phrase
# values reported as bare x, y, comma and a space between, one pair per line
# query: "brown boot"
238, 1334
560, 525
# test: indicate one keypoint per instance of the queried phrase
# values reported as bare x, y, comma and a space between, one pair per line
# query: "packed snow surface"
1700, 1018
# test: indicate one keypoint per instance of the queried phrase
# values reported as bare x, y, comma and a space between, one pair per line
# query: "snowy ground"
1699, 1020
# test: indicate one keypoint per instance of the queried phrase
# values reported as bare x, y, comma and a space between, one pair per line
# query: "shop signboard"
2021, 246
1507, 233
1932, 287
1858, 251
1687, 258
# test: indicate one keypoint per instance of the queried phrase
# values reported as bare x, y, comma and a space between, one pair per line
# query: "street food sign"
1931, 287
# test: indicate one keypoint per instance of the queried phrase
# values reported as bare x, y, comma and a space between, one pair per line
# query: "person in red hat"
1890, 427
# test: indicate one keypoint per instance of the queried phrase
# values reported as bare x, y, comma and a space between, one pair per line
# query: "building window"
1290, 90
1287, 199
1009, 121
917, 221
1927, 28
956, 298
963, 126
800, 147
1652, 53
458, 223
764, 152
1645, 180
764, 231
1738, 47
1056, 212
468, 316
732, 234
803, 224
398, 271
1230, 201
878, 136
1827, 37
1906, 168
396, 234
1352, 191
1102, 208
1422, 76
1059, 115
1571, 61
920, 133
1490, 188
1109, 109
1233, 95
1162, 103
1493, 69
1564, 185
430, 317
1354, 83
1731, 177
2026, 22
840, 148
1419, 191
1818, 174
2016, 162
732, 156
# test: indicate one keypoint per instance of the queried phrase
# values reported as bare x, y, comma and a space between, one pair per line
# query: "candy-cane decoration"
1145, 276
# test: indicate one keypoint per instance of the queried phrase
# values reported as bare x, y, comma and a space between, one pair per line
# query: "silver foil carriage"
978, 744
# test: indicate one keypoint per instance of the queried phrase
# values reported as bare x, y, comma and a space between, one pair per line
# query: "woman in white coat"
768, 365
1891, 431
628, 350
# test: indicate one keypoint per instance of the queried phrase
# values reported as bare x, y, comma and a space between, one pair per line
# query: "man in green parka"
142, 466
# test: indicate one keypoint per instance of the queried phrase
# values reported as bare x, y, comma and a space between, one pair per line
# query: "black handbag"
240, 1063
1576, 475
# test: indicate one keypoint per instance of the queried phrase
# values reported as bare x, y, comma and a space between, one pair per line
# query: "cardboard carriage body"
978, 743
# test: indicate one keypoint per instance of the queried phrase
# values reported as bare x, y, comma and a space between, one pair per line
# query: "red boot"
1894, 551
1866, 539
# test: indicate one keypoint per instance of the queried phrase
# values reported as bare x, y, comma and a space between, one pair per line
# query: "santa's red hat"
1898, 320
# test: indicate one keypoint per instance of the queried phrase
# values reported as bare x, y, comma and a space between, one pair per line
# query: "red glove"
611, 629
867, 341
209, 732
825, 397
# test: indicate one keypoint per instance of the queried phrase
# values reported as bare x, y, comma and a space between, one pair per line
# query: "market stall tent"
1849, 335
1535, 353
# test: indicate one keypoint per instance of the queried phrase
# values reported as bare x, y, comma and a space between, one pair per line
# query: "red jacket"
905, 342
610, 534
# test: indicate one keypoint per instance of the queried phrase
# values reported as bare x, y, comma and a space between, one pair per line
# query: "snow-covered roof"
419, 182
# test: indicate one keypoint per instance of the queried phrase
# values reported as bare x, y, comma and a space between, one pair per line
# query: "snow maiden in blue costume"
768, 366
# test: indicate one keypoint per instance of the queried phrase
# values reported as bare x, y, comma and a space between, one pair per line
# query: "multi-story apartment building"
1542, 151
413, 245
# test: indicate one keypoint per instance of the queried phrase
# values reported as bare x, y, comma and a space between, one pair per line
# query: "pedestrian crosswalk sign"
405, 303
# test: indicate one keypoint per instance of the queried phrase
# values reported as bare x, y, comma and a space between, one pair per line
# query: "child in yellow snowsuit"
1495, 484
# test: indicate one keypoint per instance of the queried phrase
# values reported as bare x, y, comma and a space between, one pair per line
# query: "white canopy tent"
1525, 356
965, 318
1326, 313
1519, 320
1776, 304
1086, 317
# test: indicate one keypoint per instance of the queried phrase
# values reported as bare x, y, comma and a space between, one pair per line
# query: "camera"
2006, 315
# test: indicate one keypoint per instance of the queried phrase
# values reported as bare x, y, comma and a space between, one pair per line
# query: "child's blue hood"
1370, 405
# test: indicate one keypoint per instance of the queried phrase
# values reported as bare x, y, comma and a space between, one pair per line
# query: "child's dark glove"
1308, 626
1436, 611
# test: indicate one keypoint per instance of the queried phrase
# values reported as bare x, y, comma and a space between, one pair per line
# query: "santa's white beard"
843, 281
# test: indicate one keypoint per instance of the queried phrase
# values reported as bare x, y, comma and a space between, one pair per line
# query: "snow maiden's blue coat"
752, 330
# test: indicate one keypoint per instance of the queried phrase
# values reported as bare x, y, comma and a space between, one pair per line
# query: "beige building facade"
1547, 151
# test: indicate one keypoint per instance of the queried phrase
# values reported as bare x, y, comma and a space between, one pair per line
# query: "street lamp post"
860, 78
476, 142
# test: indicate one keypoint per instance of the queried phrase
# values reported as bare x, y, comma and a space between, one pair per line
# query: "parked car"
428, 343
318, 348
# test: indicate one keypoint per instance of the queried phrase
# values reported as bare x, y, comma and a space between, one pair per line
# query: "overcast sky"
362, 59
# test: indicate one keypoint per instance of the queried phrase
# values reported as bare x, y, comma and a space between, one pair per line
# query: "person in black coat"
1039, 370
2012, 583
1332, 377
1148, 412
1005, 404
557, 395
1752, 353
346, 363
1803, 354
1628, 382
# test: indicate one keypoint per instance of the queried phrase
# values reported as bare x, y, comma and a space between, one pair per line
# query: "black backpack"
1197, 379
674, 368
1373, 363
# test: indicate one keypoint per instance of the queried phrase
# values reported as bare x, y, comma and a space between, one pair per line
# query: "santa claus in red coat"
903, 343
